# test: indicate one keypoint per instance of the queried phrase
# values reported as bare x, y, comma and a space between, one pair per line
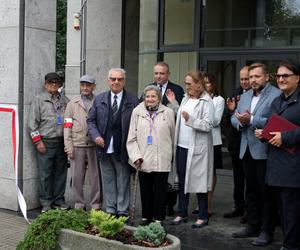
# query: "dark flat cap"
52, 76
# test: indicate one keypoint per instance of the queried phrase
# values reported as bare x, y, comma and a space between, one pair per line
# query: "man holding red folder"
251, 113
283, 165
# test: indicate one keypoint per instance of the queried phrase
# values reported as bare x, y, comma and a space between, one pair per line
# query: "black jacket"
177, 89
283, 168
98, 118
234, 136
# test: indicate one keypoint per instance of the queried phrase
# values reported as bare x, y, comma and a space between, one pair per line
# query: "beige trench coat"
158, 156
199, 166
76, 135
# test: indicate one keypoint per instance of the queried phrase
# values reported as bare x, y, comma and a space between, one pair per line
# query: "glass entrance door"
226, 69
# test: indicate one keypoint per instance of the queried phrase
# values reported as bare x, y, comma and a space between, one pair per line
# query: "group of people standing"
174, 142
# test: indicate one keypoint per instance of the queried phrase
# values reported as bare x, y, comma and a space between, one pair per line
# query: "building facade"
211, 35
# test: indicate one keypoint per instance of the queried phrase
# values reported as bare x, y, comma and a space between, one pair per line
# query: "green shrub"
43, 232
153, 233
107, 225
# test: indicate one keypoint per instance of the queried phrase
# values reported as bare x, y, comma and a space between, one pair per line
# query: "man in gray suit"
251, 113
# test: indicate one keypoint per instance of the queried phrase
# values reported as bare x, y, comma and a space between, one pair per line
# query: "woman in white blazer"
219, 104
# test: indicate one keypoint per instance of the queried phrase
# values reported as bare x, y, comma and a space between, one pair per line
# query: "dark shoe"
246, 232
233, 213
203, 224
62, 206
178, 220
263, 239
244, 220
170, 211
144, 222
195, 211
46, 209
122, 215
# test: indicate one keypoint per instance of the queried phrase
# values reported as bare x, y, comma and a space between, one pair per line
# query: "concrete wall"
72, 69
103, 42
39, 58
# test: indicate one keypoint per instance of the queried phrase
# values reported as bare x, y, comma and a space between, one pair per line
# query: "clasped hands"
243, 118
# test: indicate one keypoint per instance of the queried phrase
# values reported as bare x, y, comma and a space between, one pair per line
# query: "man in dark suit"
161, 79
234, 141
108, 123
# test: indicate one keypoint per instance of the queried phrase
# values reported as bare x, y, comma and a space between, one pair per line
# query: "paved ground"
216, 236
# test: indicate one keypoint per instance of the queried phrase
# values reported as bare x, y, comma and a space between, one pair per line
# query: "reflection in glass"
179, 22
248, 23
146, 63
180, 63
225, 72
148, 25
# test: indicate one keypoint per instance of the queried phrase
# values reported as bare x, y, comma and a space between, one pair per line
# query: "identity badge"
149, 139
59, 120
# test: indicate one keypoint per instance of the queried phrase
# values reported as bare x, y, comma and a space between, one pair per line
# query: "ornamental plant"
106, 224
44, 230
153, 233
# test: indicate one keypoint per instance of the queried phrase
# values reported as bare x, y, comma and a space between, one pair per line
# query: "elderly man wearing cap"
79, 146
45, 124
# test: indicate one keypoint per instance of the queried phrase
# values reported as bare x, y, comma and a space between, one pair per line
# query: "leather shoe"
144, 222
246, 232
263, 239
203, 224
233, 213
178, 220
243, 219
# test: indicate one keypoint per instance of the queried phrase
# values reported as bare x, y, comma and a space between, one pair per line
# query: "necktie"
161, 88
114, 107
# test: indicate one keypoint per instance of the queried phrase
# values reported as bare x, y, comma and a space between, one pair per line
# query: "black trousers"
238, 182
289, 208
181, 157
153, 187
261, 199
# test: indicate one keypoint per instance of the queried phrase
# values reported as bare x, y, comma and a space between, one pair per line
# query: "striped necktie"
114, 107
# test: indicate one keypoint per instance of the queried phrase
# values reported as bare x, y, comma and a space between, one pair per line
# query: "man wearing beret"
45, 125
78, 145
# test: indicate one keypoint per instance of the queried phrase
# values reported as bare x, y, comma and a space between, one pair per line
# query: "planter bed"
71, 240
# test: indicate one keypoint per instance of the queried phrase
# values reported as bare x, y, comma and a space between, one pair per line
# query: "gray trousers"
82, 157
116, 185
52, 168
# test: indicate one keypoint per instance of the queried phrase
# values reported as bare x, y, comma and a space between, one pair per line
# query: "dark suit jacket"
178, 91
282, 167
97, 120
234, 136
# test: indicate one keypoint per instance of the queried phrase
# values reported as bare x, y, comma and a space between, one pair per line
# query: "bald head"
244, 78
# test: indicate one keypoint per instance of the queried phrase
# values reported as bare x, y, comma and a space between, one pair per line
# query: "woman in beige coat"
150, 149
194, 147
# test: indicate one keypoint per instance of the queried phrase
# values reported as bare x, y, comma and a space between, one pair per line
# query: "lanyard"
151, 120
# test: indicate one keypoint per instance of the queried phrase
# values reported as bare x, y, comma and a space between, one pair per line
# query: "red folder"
278, 124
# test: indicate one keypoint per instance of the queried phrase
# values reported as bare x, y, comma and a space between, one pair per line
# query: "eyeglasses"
54, 82
113, 79
284, 76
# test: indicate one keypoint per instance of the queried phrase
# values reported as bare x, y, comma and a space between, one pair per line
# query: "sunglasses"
284, 76
54, 82
113, 79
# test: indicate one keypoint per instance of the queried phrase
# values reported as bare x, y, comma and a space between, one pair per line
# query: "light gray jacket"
258, 149
199, 166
